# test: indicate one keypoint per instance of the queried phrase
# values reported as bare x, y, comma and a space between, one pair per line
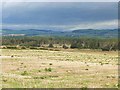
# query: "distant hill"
96, 32
105, 33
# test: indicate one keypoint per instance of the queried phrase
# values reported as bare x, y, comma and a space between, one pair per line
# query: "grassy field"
59, 69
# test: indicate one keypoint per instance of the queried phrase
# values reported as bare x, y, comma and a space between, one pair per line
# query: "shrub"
12, 56
50, 45
43, 77
39, 70
86, 69
33, 48
50, 63
84, 88
11, 47
24, 73
65, 47
43, 48
106, 48
73, 46
23, 47
48, 69
4, 80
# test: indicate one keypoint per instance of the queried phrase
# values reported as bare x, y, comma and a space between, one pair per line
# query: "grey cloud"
58, 13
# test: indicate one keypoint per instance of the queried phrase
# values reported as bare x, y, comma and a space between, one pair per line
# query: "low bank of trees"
80, 43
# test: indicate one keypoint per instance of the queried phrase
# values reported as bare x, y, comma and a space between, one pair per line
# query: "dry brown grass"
69, 69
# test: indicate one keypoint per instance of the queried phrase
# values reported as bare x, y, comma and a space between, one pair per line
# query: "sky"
59, 15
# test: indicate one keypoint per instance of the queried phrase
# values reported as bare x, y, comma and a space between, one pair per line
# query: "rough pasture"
59, 69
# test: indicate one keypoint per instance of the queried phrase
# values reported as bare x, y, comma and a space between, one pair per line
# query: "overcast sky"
60, 15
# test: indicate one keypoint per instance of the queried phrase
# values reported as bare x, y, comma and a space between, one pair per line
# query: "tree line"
105, 44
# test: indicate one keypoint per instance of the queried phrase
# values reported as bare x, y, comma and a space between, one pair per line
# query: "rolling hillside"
107, 33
